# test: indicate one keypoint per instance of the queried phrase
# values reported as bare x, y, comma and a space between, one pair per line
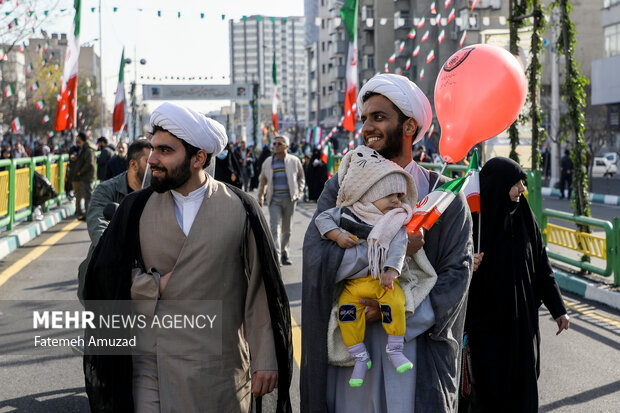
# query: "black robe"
109, 378
316, 176
513, 280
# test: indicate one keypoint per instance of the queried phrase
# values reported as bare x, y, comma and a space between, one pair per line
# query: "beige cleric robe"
208, 264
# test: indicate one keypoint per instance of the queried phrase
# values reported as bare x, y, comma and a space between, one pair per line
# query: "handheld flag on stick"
430, 208
472, 187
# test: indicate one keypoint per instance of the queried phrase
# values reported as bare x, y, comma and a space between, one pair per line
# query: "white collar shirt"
186, 207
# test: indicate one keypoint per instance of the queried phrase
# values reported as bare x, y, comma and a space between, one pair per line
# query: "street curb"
587, 290
28, 231
598, 198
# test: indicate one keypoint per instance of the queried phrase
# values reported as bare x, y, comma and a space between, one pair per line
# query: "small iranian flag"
433, 9
447, 3
40, 105
416, 51
408, 64
328, 158
425, 37
451, 16
473, 6
422, 74
401, 47
9, 91
430, 208
46, 119
421, 23
274, 100
438, 20
463, 37
386, 68
472, 187
16, 124
392, 58
442, 36
34, 86
411, 34
430, 56
29, 69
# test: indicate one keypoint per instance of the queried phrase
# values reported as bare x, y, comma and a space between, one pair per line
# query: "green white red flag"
348, 12
118, 116
472, 187
9, 91
16, 125
40, 104
430, 208
67, 105
327, 156
274, 100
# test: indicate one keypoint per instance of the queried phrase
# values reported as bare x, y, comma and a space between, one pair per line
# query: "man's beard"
172, 180
393, 143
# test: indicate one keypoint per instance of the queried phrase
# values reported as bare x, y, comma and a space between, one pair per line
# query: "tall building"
253, 43
605, 79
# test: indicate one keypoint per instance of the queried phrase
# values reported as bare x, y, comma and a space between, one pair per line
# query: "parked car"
605, 165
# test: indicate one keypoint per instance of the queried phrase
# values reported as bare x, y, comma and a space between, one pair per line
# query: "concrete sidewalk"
28, 230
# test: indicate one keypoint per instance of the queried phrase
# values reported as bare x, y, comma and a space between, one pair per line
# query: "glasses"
279, 144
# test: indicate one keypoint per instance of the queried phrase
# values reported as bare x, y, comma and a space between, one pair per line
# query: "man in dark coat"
106, 152
566, 174
118, 163
83, 174
395, 115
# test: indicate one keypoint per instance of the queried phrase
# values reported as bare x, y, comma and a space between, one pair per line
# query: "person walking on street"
281, 185
106, 152
512, 278
395, 114
246, 159
113, 191
83, 174
190, 237
566, 174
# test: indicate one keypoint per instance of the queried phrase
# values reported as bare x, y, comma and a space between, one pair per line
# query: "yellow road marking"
587, 310
18, 265
296, 331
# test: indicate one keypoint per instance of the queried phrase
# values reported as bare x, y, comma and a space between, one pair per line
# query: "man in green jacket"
83, 174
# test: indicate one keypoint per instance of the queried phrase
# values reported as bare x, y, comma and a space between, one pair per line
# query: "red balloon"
479, 93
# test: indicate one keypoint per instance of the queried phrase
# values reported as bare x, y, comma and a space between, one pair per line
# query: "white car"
604, 166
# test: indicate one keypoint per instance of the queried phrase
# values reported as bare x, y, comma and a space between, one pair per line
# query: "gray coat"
448, 246
112, 190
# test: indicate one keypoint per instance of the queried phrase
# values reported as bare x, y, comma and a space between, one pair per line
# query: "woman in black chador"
316, 175
513, 279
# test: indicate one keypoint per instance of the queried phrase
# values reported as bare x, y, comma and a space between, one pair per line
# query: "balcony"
341, 47
341, 72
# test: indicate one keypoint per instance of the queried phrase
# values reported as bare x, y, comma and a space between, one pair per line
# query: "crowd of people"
384, 310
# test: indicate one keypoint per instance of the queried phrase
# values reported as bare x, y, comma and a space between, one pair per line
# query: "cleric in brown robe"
190, 237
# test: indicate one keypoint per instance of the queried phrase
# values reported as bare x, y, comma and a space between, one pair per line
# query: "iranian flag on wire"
9, 91
67, 105
118, 117
472, 187
328, 157
16, 124
348, 12
430, 208
274, 100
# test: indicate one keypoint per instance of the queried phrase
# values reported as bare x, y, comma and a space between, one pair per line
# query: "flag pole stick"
479, 229
443, 168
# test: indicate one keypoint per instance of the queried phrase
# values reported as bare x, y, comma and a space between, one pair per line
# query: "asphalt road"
579, 367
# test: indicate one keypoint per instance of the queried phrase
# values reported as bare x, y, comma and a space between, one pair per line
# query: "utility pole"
101, 109
255, 113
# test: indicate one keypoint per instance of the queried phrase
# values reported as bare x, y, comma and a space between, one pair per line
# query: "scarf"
385, 227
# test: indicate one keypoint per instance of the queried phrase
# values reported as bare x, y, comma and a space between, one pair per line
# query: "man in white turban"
190, 237
395, 114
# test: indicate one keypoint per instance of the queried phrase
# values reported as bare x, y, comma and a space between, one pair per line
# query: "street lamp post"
134, 85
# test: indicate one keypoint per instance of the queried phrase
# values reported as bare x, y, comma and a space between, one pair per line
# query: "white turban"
191, 126
405, 94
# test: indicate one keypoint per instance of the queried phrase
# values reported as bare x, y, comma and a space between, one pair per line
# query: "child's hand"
346, 240
388, 277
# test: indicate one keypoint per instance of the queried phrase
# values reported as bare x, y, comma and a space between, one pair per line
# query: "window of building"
322, 46
611, 34
368, 12
323, 68
401, 18
369, 61
323, 90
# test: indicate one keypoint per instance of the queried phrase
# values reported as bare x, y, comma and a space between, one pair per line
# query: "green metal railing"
16, 178
590, 245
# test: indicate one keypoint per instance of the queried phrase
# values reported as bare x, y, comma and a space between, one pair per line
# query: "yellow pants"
351, 317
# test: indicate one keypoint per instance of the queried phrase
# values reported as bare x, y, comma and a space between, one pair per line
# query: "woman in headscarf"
513, 279
316, 175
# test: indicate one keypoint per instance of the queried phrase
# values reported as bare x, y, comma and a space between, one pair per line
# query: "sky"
186, 46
